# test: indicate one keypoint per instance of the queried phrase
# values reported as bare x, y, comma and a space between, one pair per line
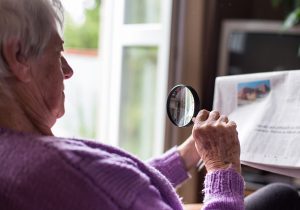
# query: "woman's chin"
61, 111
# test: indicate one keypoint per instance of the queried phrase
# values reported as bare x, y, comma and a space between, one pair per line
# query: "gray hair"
31, 22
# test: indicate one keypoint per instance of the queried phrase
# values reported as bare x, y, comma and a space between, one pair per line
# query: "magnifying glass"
182, 105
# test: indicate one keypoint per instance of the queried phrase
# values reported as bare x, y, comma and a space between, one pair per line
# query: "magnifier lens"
182, 105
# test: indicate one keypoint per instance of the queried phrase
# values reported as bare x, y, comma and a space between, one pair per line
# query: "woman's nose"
67, 69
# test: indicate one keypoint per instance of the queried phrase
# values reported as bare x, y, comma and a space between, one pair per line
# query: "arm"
150, 199
223, 190
176, 163
171, 165
216, 141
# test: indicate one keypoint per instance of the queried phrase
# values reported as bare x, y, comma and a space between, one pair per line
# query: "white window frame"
115, 36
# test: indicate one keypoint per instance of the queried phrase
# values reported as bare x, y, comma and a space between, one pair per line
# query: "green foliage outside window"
86, 35
293, 11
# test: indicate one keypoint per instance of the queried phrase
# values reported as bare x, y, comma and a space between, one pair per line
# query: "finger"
231, 124
214, 115
194, 119
202, 115
223, 118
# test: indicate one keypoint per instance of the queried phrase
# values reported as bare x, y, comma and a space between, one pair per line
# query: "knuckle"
215, 113
224, 117
202, 115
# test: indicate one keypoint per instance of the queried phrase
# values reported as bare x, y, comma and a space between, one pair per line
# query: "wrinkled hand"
216, 141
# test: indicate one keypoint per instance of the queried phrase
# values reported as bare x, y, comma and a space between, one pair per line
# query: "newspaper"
266, 108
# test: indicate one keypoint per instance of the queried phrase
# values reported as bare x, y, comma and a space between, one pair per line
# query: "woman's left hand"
189, 154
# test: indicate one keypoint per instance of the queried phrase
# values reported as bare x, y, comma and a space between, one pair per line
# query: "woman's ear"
16, 62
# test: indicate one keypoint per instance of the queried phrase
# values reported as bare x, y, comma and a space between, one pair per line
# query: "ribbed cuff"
223, 182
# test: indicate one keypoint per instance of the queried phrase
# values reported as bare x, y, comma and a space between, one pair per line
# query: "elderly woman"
40, 171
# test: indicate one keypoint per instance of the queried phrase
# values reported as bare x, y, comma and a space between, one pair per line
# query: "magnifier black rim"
197, 103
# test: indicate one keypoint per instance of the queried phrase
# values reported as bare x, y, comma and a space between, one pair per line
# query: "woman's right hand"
216, 140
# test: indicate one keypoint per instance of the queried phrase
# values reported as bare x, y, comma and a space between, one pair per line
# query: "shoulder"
110, 170
68, 171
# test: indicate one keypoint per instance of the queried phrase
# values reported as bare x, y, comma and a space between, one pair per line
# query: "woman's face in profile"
49, 71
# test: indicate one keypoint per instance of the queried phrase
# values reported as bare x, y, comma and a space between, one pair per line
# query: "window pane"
142, 11
138, 99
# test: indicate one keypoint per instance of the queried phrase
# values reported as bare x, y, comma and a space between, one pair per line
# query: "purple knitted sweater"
50, 173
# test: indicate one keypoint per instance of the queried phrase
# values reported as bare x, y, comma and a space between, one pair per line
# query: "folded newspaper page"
266, 108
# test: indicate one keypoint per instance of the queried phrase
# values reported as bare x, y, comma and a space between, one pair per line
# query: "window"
118, 92
142, 11
135, 50
81, 35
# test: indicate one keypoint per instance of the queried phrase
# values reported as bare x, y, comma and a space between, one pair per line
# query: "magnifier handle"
200, 165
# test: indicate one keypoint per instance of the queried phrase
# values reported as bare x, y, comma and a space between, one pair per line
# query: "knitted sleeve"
223, 190
171, 166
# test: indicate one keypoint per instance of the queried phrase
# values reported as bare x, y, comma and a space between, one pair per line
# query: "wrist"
189, 158
219, 165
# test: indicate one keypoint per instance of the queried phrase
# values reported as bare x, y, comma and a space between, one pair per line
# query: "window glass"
142, 11
138, 99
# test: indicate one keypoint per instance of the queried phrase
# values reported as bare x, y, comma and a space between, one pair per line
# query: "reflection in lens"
181, 106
